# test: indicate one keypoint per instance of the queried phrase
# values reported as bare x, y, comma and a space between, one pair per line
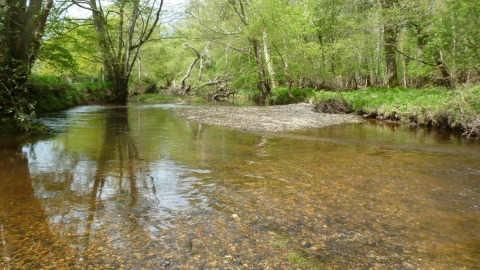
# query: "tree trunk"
289, 86
268, 59
185, 88
389, 40
390, 61
120, 55
442, 67
263, 84
21, 32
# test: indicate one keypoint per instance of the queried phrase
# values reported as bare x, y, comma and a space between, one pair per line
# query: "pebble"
268, 119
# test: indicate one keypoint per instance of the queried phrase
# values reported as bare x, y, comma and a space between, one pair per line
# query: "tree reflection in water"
107, 205
114, 190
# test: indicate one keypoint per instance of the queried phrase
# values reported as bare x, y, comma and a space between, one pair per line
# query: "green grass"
298, 259
436, 107
246, 94
280, 95
280, 241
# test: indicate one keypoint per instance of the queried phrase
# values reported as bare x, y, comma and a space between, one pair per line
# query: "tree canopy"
216, 45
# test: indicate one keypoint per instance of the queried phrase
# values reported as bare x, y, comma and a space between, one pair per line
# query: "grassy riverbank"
47, 94
54, 94
438, 107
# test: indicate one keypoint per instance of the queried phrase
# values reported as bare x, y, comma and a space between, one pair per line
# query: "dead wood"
332, 106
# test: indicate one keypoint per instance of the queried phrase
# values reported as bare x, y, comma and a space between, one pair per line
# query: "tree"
389, 39
122, 28
22, 26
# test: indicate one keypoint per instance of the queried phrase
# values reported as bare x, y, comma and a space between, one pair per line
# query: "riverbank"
438, 107
265, 118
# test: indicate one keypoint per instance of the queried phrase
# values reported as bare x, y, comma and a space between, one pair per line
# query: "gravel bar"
265, 118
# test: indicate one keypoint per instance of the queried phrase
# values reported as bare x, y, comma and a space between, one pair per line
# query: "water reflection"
25, 233
101, 195
133, 187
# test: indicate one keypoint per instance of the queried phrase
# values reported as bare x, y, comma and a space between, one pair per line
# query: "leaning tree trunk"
442, 67
21, 33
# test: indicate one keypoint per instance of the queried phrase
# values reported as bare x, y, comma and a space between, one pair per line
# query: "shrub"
280, 95
144, 85
52, 93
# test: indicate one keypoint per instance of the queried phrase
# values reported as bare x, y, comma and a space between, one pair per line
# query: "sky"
77, 12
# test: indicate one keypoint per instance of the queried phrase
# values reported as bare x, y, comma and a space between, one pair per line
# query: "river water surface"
135, 188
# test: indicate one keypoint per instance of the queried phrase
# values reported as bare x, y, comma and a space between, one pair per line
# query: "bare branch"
240, 13
414, 59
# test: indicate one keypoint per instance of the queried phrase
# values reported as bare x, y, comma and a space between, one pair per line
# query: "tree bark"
442, 67
263, 84
22, 32
120, 55
389, 40
22, 26
268, 59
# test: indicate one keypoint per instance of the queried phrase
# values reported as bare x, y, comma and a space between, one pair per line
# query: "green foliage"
144, 85
59, 51
52, 93
162, 98
94, 92
437, 107
16, 109
280, 95
245, 94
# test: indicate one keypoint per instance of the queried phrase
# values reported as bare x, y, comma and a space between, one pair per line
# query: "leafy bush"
144, 85
280, 95
16, 109
52, 93
94, 92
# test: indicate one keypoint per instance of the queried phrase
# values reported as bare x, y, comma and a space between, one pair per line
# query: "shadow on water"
134, 187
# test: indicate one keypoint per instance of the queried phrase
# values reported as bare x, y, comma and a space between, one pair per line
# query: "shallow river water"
135, 188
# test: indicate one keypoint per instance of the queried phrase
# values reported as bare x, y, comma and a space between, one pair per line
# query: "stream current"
134, 187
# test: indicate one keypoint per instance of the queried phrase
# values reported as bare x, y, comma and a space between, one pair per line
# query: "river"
133, 187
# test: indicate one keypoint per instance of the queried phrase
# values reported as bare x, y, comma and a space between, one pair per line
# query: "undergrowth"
280, 95
162, 98
52, 93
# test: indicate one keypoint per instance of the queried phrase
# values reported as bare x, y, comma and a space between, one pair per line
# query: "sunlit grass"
280, 95
436, 107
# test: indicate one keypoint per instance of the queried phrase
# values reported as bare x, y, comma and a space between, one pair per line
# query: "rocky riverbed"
265, 118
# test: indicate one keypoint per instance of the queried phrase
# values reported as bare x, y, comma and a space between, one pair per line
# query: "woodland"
312, 49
